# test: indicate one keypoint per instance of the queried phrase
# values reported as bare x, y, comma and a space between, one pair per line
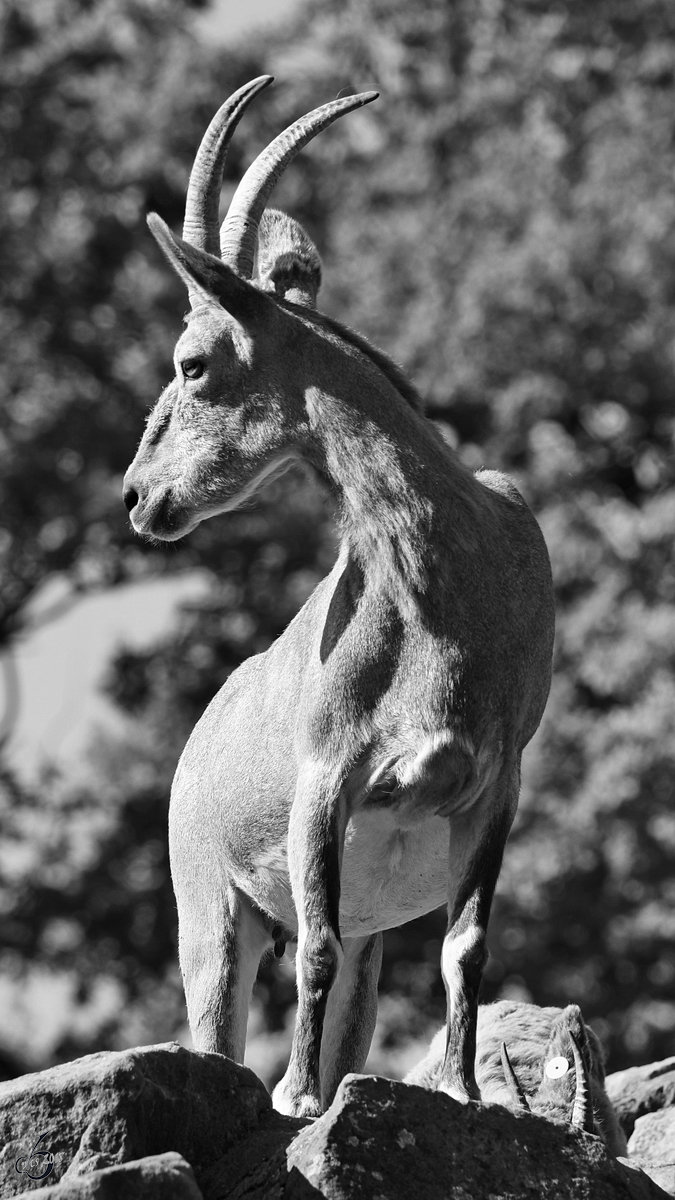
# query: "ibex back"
365, 769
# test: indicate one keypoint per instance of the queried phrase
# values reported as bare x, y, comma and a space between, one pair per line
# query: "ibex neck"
397, 485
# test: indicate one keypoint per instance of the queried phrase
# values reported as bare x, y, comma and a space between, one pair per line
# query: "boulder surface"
112, 1108
641, 1090
161, 1177
162, 1121
391, 1141
652, 1146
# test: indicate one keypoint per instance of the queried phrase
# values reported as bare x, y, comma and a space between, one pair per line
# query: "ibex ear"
207, 279
567, 1024
288, 261
574, 1024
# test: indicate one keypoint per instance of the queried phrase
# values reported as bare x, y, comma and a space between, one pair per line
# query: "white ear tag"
557, 1067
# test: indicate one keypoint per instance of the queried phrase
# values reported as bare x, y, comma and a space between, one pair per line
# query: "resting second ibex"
546, 1061
366, 768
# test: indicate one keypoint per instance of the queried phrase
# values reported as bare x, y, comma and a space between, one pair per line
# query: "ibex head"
564, 1090
234, 411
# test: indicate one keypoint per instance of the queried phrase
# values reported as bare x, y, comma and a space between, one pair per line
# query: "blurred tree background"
502, 223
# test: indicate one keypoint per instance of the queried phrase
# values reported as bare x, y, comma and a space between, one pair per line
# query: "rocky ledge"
162, 1121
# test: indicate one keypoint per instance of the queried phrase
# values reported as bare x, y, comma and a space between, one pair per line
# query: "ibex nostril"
130, 497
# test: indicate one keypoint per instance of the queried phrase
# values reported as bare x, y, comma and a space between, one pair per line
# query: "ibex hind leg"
477, 841
220, 948
351, 1013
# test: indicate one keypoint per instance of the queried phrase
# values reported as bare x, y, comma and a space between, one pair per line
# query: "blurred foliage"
96, 128
502, 222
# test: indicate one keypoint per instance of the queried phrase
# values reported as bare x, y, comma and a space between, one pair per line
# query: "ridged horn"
517, 1094
239, 230
582, 1112
201, 224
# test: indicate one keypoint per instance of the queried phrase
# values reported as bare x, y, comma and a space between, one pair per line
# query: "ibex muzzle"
366, 768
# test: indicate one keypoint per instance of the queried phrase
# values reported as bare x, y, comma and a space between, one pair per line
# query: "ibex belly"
395, 859
391, 875
395, 864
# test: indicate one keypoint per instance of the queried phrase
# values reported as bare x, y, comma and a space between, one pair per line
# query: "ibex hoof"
461, 1094
293, 1105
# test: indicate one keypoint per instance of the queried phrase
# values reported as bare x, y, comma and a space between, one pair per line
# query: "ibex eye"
192, 368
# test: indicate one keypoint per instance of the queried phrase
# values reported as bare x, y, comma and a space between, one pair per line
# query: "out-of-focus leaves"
101, 108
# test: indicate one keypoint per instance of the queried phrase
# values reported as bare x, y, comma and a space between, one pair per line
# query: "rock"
654, 1136
111, 1108
652, 1146
258, 1169
641, 1090
126, 1125
381, 1140
161, 1177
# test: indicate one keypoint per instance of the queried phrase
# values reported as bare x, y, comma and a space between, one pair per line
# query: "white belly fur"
389, 875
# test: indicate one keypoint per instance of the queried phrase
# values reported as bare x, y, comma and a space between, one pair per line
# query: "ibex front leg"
477, 841
221, 934
315, 840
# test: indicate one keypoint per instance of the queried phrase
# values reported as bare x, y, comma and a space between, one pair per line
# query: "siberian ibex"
365, 769
541, 1060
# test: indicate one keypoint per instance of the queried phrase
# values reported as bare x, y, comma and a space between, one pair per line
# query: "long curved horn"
517, 1094
582, 1112
239, 230
200, 227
